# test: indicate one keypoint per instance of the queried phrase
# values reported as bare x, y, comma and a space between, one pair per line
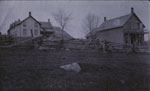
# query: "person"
133, 48
61, 44
98, 43
104, 46
40, 42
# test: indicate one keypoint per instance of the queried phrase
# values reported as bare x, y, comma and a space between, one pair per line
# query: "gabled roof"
91, 33
46, 24
58, 33
27, 18
114, 23
117, 22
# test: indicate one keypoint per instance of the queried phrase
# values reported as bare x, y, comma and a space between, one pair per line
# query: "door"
133, 38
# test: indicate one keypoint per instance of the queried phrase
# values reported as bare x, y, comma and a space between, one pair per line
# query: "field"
34, 70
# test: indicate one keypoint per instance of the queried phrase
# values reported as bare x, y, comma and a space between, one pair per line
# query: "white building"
30, 27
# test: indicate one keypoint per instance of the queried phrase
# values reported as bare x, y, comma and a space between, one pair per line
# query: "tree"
62, 18
91, 22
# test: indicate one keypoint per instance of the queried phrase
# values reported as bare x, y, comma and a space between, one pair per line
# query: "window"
16, 33
141, 26
24, 24
24, 32
129, 25
126, 38
35, 32
35, 25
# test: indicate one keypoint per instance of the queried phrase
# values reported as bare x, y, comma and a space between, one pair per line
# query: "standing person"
98, 43
61, 44
104, 46
133, 48
40, 42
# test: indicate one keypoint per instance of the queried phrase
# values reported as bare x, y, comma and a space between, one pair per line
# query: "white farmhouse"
30, 27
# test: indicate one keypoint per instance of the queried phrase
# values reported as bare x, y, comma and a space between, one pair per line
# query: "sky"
44, 10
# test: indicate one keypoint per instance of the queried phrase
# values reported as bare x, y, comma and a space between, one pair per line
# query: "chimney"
18, 21
132, 10
48, 20
104, 19
29, 13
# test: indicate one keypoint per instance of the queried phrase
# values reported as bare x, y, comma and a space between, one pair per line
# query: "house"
30, 27
127, 29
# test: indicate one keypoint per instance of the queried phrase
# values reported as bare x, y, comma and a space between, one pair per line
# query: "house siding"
113, 35
132, 24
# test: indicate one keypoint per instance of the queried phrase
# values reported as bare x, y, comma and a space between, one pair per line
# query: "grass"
34, 70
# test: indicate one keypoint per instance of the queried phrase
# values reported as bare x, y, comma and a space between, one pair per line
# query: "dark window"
15, 33
24, 24
126, 38
138, 25
35, 25
129, 25
35, 32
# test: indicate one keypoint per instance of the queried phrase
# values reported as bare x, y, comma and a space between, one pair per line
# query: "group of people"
105, 46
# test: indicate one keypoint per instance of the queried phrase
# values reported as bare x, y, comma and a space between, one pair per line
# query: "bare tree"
91, 22
62, 18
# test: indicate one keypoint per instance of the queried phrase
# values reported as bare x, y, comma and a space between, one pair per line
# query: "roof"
117, 22
92, 32
47, 26
58, 33
146, 31
114, 23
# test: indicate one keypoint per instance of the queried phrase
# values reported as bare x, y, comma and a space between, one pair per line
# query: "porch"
134, 38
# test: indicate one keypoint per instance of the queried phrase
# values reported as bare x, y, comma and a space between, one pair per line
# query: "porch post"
129, 39
136, 39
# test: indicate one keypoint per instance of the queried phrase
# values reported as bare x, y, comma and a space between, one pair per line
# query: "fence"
74, 44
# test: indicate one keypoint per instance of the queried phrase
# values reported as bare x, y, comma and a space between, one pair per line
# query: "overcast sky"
42, 10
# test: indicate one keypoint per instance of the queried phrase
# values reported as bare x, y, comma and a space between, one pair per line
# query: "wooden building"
30, 27
127, 29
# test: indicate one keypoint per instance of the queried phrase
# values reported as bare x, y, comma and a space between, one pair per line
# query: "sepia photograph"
74, 45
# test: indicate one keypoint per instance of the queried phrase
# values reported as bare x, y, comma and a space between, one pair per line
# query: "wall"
30, 26
113, 35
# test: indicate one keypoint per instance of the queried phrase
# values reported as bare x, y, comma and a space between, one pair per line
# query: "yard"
34, 70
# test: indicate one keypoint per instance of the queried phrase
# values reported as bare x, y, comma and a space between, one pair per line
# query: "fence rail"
72, 44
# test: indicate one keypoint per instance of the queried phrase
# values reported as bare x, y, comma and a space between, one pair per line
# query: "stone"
43, 48
122, 81
67, 49
71, 67
53, 48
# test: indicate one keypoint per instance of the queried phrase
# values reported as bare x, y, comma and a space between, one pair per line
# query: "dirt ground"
34, 70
